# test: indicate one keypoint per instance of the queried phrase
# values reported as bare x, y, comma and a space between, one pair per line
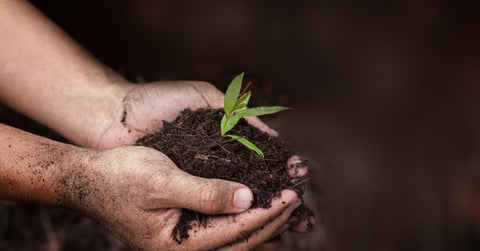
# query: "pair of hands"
137, 193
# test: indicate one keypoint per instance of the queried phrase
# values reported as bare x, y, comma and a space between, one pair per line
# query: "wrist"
73, 181
105, 109
92, 105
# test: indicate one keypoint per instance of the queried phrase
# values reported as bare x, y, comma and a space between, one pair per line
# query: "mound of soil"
193, 142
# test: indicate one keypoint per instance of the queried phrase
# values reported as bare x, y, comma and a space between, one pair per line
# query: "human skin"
125, 186
45, 75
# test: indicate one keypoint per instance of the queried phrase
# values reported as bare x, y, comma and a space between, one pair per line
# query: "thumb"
209, 196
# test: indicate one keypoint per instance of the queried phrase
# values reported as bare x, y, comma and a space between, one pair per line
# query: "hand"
145, 106
137, 193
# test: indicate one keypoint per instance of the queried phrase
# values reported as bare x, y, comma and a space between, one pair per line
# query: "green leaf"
230, 123
237, 109
248, 144
243, 100
232, 93
223, 124
262, 110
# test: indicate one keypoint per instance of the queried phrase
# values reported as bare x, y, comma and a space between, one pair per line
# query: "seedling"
235, 107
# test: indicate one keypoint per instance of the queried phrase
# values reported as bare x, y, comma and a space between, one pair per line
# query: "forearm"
30, 166
47, 76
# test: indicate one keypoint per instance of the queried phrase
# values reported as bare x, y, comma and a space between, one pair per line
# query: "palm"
146, 106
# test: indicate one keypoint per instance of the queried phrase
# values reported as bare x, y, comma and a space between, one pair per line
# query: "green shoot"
236, 107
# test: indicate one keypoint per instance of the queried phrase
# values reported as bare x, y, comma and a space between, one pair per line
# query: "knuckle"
211, 95
209, 200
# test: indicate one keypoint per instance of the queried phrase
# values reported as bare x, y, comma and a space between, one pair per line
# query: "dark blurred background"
385, 97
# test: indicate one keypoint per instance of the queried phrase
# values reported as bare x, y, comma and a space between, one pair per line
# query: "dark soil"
194, 144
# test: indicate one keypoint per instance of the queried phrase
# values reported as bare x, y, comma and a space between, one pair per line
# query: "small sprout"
236, 107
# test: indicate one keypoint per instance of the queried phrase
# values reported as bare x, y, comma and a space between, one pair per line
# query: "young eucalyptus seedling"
235, 107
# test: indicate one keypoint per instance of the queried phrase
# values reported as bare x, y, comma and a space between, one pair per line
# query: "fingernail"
297, 203
242, 199
297, 166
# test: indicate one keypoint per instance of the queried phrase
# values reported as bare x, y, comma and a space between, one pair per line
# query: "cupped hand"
145, 106
137, 193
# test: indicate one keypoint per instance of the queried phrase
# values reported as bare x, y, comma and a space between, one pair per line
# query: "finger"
234, 229
270, 243
267, 232
255, 121
209, 196
302, 220
212, 97
303, 226
297, 167
260, 244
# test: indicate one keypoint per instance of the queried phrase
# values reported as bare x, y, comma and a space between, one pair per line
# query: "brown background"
385, 101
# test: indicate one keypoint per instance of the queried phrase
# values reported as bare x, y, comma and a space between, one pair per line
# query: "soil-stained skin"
83, 187
37, 163
88, 191
78, 188
114, 188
